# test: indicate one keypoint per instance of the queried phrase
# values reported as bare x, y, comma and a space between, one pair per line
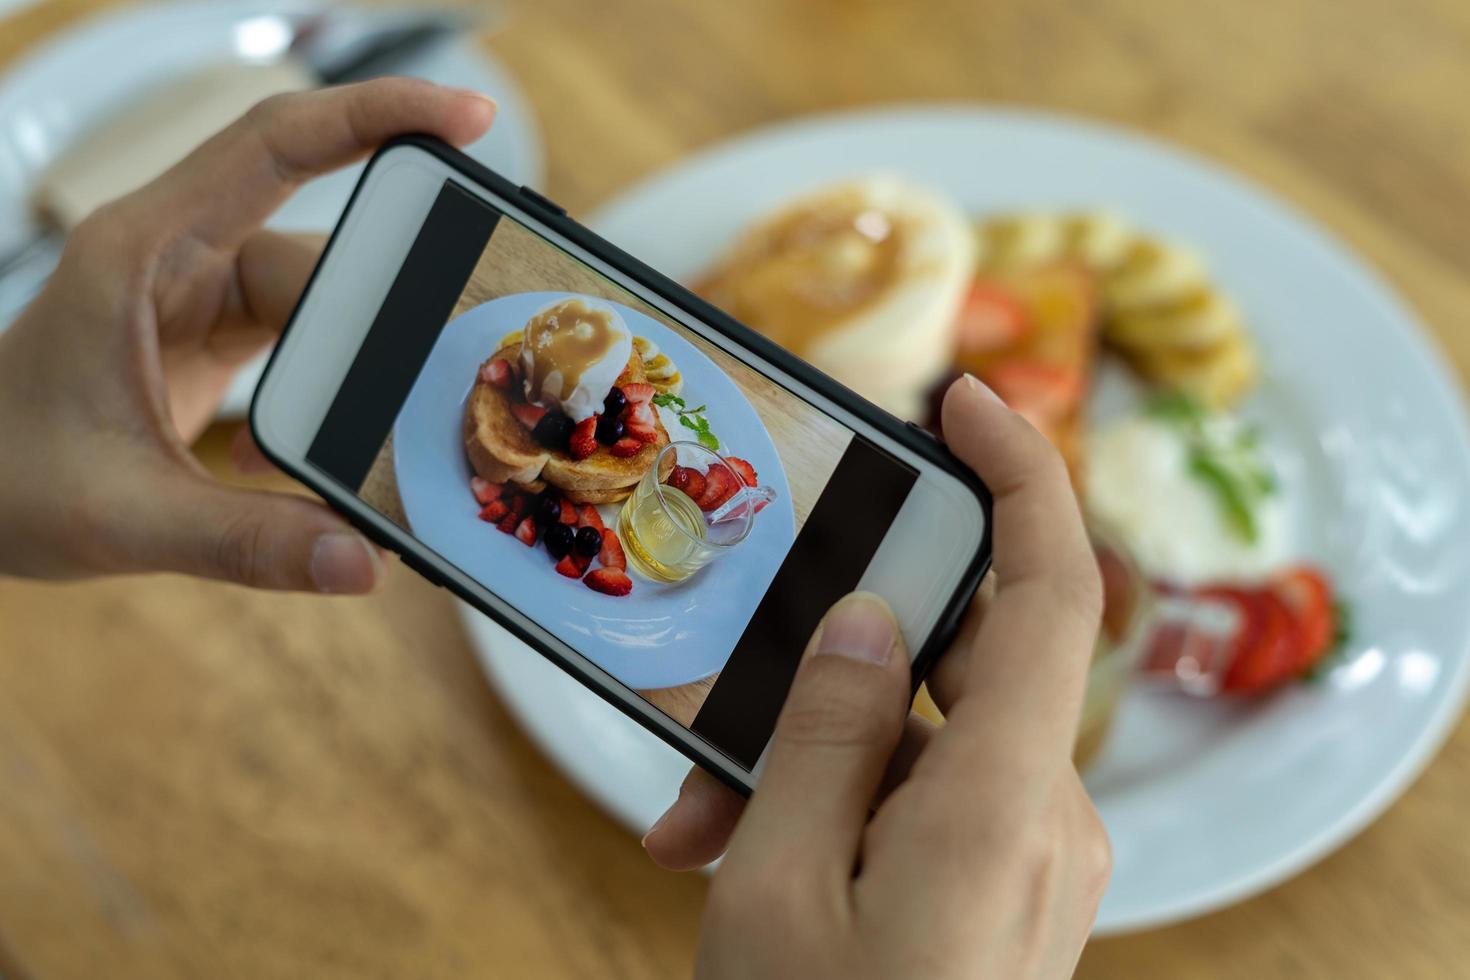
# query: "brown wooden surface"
199, 781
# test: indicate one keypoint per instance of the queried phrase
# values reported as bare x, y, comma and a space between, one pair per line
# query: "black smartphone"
658, 499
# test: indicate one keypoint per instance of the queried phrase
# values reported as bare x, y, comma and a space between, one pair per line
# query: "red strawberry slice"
611, 554
509, 522
627, 446
568, 512
528, 414
526, 531
1307, 594
694, 484
568, 566
584, 438
990, 319
589, 517
719, 486
485, 491
1265, 650
639, 392
609, 581
746, 471
496, 372
643, 433
638, 413
494, 511
520, 504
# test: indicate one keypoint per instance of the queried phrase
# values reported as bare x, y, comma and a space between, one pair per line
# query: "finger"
842, 718
266, 540
288, 139
272, 270
246, 455
1028, 663
696, 828
946, 679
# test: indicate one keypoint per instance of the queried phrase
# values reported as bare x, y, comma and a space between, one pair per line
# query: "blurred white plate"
656, 636
1206, 803
58, 92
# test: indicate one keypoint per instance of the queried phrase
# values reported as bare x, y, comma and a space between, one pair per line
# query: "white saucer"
1206, 803
58, 91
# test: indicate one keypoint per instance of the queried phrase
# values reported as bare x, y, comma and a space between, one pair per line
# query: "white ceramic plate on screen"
56, 93
658, 635
1205, 803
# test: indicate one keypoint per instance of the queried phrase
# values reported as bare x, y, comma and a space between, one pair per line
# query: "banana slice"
1100, 239
647, 349
1201, 317
672, 385
659, 368
514, 337
1218, 375
1153, 273
1020, 240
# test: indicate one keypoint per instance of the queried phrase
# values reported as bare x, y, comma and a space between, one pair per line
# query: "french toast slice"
501, 449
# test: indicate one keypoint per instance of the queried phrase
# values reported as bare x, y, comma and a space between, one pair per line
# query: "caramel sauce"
810, 270
569, 337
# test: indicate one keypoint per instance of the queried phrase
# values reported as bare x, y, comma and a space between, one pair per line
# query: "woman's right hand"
984, 856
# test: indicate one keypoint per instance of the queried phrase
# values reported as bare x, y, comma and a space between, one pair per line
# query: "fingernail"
859, 627
478, 95
662, 820
344, 563
976, 385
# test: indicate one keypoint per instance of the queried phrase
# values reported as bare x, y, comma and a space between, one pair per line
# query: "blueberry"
609, 428
554, 430
589, 542
548, 508
614, 403
558, 540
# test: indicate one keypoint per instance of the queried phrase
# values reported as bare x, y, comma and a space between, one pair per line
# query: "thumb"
841, 721
256, 538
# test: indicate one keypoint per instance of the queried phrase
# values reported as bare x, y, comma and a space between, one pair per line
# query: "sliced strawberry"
694, 484
611, 554
494, 511
509, 522
496, 372
990, 319
485, 491
746, 471
719, 486
626, 446
1308, 597
638, 413
520, 504
609, 581
568, 512
643, 433
1265, 650
679, 477
568, 566
584, 438
526, 531
638, 392
589, 517
527, 413
1041, 392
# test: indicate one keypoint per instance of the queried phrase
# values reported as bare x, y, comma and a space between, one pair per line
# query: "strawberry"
643, 433
520, 504
485, 491
638, 413
626, 446
679, 477
509, 522
638, 393
568, 566
1264, 651
692, 482
611, 554
719, 486
496, 372
494, 511
746, 471
526, 531
1043, 393
990, 319
1307, 595
609, 581
584, 438
568, 511
589, 517
528, 414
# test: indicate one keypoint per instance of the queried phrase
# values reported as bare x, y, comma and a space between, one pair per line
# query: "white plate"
658, 635
58, 92
1206, 804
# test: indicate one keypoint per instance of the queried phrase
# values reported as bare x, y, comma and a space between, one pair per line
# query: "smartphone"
651, 495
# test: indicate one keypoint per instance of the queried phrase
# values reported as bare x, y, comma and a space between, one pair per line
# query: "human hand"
160, 296
984, 856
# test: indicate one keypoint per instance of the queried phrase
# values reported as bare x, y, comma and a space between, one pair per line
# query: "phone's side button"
418, 566
541, 201
916, 427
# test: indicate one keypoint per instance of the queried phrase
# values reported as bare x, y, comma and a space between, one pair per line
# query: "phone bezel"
684, 307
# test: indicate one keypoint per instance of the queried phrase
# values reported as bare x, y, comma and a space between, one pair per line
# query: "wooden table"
200, 781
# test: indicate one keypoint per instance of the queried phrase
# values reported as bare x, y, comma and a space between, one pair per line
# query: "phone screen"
676, 517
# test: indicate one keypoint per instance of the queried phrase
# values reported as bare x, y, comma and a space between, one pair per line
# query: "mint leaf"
668, 400
689, 423
707, 440
1233, 497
